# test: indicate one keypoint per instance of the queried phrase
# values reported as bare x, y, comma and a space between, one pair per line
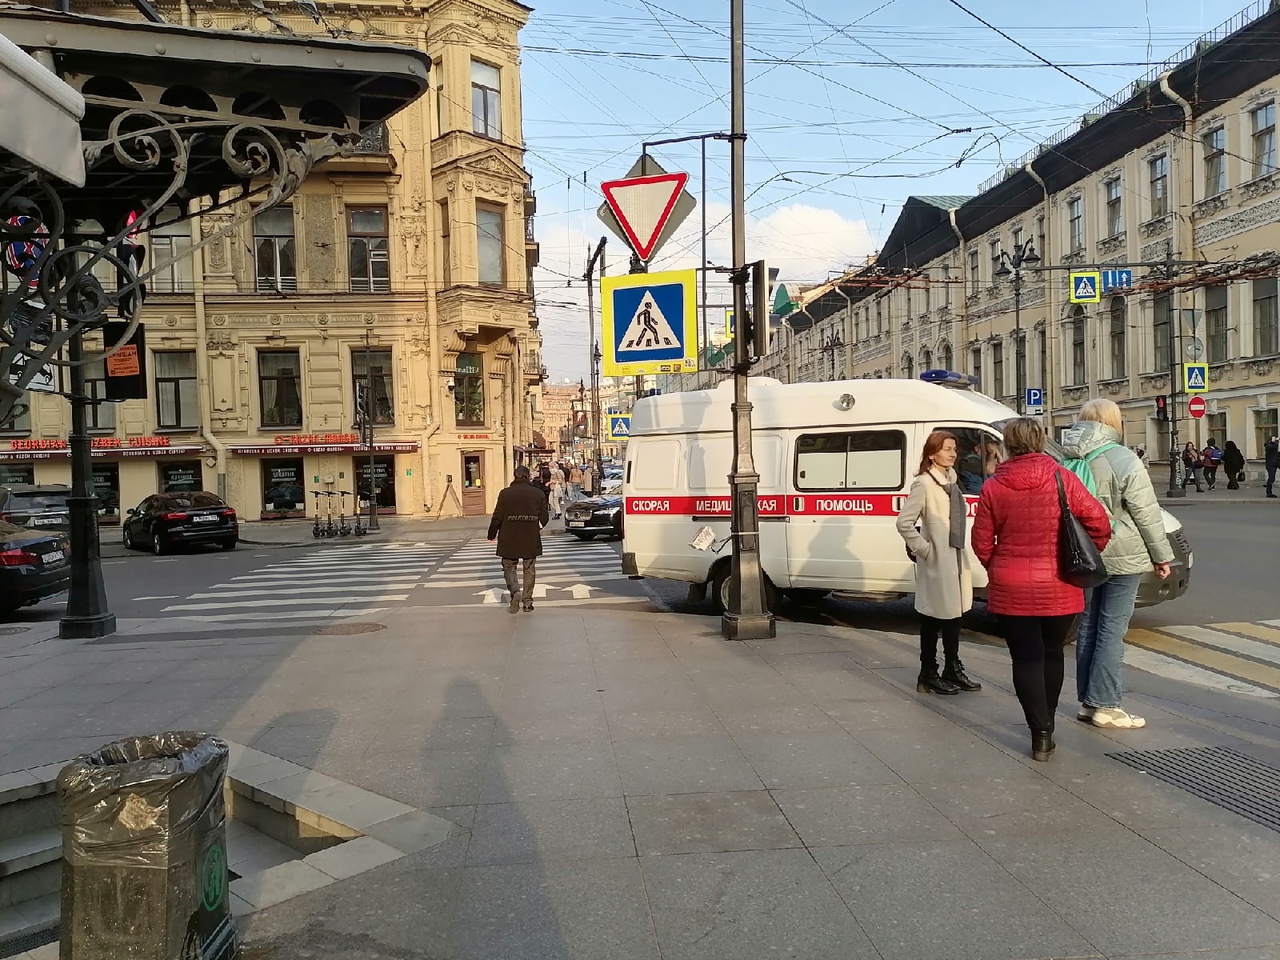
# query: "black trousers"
1211, 476
930, 627
1035, 646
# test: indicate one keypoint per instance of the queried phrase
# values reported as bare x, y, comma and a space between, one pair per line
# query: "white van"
835, 461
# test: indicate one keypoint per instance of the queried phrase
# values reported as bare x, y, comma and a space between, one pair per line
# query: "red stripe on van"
779, 505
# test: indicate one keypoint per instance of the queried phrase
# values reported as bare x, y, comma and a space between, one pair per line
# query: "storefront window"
106, 487
14, 473
181, 476
283, 492
384, 477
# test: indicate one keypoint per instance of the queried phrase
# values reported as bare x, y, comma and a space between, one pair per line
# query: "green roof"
946, 201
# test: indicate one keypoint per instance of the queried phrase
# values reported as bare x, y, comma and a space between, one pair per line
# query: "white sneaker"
1086, 713
1116, 719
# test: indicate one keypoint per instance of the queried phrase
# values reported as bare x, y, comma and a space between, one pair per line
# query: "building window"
994, 252
368, 256
280, 388
20, 424
372, 370
926, 294
468, 391
1017, 239
1078, 373
947, 358
1264, 422
946, 284
442, 102
1075, 224
1215, 161
1264, 140
997, 369
283, 493
172, 242
1158, 172
446, 246
176, 405
1019, 362
1215, 315
975, 278
908, 366
1119, 330
1266, 321
1161, 332
1041, 247
879, 317
1216, 424
101, 415
486, 100
926, 359
1044, 363
273, 250
490, 247
105, 478
906, 292
1115, 208
181, 476
975, 362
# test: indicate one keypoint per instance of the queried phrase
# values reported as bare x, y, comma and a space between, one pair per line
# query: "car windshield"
39, 501
188, 500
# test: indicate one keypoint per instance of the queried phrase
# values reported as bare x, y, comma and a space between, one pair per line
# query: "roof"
946, 201
777, 405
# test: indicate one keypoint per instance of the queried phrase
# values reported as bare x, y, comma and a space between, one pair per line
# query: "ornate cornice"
1112, 244
1211, 205
1156, 227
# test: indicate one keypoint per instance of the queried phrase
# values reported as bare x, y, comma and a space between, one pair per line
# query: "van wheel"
720, 589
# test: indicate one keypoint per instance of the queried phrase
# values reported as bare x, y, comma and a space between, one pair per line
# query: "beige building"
403, 269
1183, 168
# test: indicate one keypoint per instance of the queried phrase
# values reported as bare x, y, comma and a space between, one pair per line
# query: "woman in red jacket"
1015, 536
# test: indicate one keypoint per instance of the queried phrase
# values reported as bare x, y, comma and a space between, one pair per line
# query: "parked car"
36, 506
34, 564
588, 518
164, 521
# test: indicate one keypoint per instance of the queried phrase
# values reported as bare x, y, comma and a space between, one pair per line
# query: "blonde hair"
1101, 410
1022, 436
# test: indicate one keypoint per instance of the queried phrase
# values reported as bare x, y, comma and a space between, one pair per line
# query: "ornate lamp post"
1011, 264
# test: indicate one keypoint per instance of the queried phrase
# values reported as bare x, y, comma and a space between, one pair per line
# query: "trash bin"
144, 850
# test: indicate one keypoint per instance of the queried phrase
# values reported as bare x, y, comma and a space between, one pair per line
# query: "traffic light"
1162, 408
756, 327
132, 293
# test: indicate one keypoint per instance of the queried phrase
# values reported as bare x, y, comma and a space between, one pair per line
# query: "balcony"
531, 248
374, 141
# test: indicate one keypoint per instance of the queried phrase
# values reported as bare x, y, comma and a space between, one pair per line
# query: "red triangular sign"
642, 206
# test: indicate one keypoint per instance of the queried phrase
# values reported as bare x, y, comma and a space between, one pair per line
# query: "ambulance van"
836, 461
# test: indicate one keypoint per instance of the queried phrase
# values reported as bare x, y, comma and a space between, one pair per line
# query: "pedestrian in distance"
1191, 467
557, 492
1015, 536
1233, 463
1210, 458
518, 519
1116, 477
543, 482
575, 483
1271, 460
588, 480
932, 522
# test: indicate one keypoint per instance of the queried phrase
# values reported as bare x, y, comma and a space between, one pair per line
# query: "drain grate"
12, 631
1224, 776
347, 629
17, 946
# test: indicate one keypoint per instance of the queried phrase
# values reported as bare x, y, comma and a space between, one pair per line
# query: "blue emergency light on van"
949, 378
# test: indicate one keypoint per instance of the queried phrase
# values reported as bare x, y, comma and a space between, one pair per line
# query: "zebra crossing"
1241, 657
334, 582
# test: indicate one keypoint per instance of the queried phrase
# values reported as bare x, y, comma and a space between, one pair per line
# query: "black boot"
1042, 745
954, 673
930, 682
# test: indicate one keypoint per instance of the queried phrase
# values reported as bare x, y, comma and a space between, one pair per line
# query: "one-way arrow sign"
645, 207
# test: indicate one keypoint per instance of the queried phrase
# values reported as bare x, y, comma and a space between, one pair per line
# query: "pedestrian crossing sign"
1195, 377
1086, 287
619, 426
650, 323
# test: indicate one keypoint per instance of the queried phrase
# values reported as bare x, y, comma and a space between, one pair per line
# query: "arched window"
926, 359
908, 366
947, 357
1119, 328
1078, 375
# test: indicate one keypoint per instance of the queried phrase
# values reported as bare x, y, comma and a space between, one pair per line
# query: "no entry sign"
1196, 407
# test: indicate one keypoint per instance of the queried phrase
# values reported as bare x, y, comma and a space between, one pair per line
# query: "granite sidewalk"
631, 786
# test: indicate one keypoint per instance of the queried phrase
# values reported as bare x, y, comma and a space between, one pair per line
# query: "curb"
1201, 501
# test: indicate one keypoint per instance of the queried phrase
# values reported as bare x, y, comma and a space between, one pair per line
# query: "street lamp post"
1011, 264
368, 425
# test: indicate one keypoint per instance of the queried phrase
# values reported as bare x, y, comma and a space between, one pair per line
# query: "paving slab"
540, 831
812, 760
687, 765
551, 771
709, 823
834, 816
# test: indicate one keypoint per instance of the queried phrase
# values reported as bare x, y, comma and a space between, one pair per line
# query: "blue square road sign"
1034, 397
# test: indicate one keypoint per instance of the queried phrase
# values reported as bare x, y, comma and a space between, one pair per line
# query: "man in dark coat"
1271, 454
517, 525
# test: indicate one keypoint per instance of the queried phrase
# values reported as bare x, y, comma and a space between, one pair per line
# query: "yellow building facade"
397, 278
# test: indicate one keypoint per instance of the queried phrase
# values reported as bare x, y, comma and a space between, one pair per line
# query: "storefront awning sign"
56, 448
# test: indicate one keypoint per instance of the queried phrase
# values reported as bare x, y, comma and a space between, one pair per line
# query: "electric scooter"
316, 531
358, 530
344, 529
330, 530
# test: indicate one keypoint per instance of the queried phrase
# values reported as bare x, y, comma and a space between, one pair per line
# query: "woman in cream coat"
932, 523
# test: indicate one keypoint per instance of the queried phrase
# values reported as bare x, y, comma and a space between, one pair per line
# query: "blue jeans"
1100, 640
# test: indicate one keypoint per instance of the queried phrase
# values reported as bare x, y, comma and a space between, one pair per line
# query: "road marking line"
339, 601
1178, 670
544, 603
293, 578
304, 617
499, 581
1269, 634
1208, 657
1226, 641
173, 596
295, 590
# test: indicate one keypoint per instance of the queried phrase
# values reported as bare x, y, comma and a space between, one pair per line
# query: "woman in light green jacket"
1138, 543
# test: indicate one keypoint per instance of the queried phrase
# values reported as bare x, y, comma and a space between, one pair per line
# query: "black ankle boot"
930, 682
1042, 745
954, 673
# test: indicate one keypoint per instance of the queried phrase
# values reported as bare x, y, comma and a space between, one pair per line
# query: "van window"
656, 467
859, 460
978, 453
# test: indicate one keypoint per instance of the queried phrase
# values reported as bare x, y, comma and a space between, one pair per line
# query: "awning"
104, 448
286, 449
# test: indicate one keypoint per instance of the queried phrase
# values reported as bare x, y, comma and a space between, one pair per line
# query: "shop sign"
96, 443
295, 448
474, 436
49, 448
316, 439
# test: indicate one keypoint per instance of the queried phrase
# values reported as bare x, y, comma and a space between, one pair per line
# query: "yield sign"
643, 205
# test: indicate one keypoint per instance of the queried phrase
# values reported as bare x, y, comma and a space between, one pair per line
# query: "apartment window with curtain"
176, 405
1266, 321
446, 247
1078, 373
1215, 319
164, 244
1158, 175
280, 388
368, 250
1215, 161
273, 250
975, 278
1017, 239
371, 371
101, 416
1263, 124
1264, 425
1075, 224
1119, 333
486, 100
1162, 333
1115, 207
994, 248
468, 391
997, 369
490, 246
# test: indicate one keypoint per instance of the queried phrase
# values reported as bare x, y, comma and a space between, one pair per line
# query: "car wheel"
720, 589
128, 540
228, 544
157, 544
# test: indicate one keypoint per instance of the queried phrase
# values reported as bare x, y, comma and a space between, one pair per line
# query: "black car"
166, 520
36, 506
33, 565
595, 515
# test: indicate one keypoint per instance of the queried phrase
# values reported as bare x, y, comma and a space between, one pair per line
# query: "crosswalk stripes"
328, 583
1240, 657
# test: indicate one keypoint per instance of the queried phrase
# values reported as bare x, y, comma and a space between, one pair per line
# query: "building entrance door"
473, 490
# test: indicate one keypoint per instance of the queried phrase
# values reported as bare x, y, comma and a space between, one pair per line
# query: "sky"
851, 106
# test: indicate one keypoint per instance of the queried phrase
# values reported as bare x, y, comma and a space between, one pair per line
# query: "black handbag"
1240, 477
1079, 562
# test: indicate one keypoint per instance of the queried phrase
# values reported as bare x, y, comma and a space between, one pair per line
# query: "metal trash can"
144, 851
